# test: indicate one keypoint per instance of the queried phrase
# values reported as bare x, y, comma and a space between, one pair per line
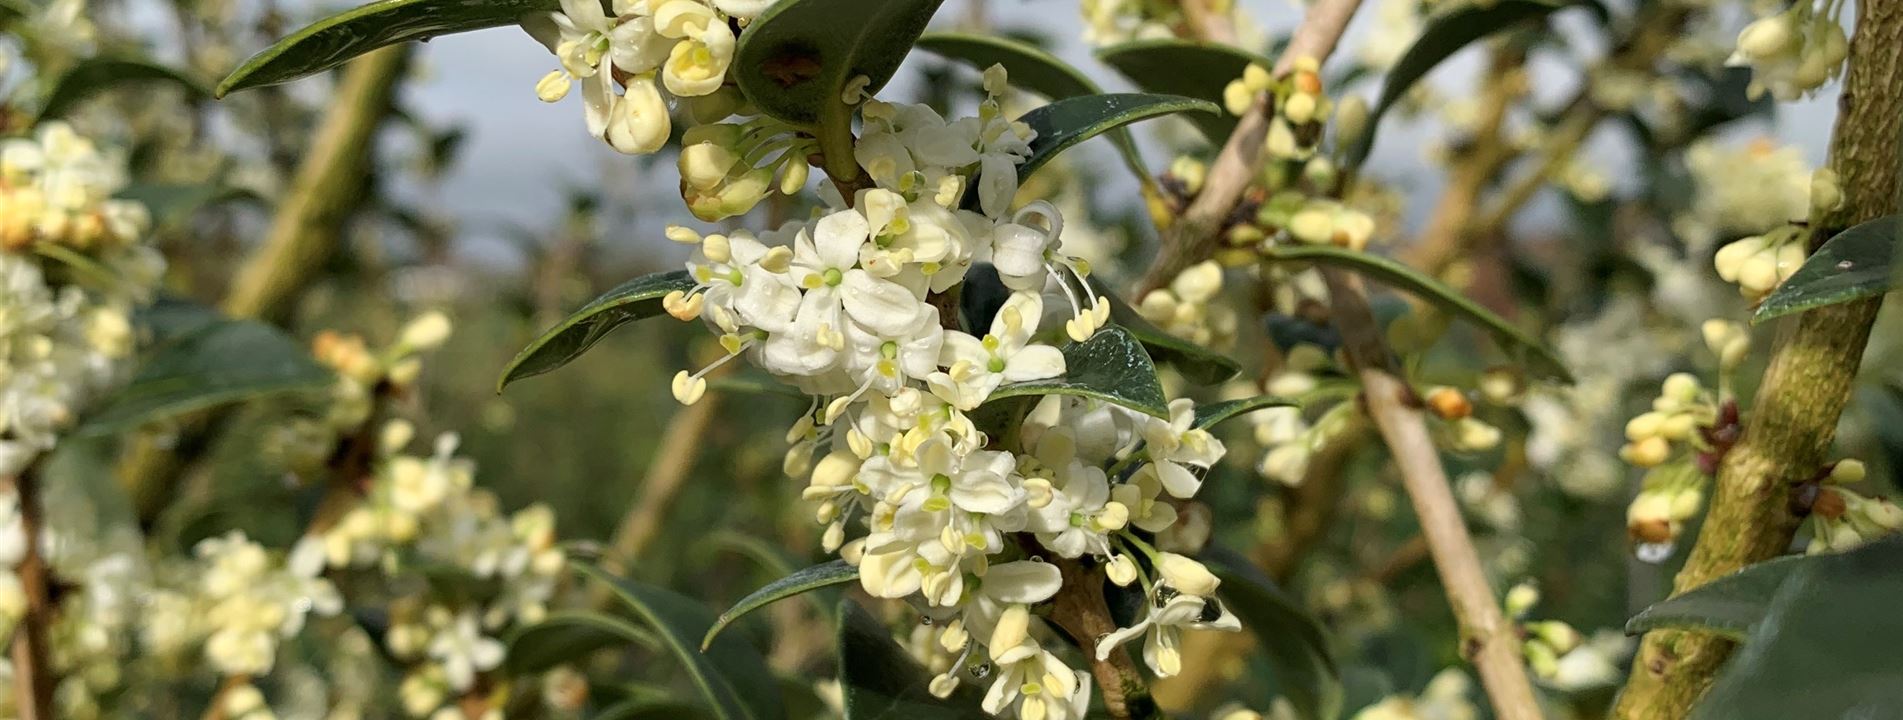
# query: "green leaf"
1444, 36
795, 60
1066, 122
1030, 68
222, 362
1111, 366
1191, 69
1198, 364
1513, 340
92, 76
730, 674
334, 40
1826, 647
1855, 264
633, 300
568, 636
823, 575
880, 681
1728, 606
1208, 416
649, 709
1290, 637
174, 203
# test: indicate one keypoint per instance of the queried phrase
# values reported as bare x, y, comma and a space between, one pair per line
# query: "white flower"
464, 651
1176, 445
1163, 627
975, 366
698, 64
1038, 687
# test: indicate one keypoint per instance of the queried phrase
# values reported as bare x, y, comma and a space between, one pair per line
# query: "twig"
1192, 236
33, 679
1486, 639
1312, 505
1479, 161
1207, 24
1804, 389
1080, 610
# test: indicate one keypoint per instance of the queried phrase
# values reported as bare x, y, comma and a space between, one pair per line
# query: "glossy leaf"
1513, 340
334, 40
1290, 637
1030, 68
731, 675
1191, 69
824, 575
633, 300
878, 680
1210, 415
1198, 364
92, 76
1111, 366
1727, 606
795, 60
1856, 264
1827, 644
568, 636
223, 362
1066, 122
1444, 36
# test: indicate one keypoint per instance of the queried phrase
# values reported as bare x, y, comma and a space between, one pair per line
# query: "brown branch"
1487, 639
1192, 237
1805, 387
1312, 505
33, 674
1480, 159
1080, 610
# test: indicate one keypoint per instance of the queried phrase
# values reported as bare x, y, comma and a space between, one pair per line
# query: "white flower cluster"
685, 46
421, 521
237, 602
1108, 22
1444, 698
71, 269
103, 579
1743, 190
1191, 308
844, 306
1794, 52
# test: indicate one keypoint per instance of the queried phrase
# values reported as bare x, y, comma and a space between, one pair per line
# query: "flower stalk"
33, 673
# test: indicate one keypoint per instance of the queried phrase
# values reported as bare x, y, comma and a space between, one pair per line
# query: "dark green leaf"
1513, 340
1727, 606
569, 636
1208, 416
1066, 122
1292, 639
334, 40
880, 681
633, 300
1198, 364
92, 76
223, 362
649, 709
1111, 366
1827, 644
824, 575
173, 204
1191, 69
795, 60
1030, 68
1855, 264
730, 674
1444, 36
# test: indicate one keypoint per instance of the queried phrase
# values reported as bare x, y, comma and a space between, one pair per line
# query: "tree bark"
1805, 387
